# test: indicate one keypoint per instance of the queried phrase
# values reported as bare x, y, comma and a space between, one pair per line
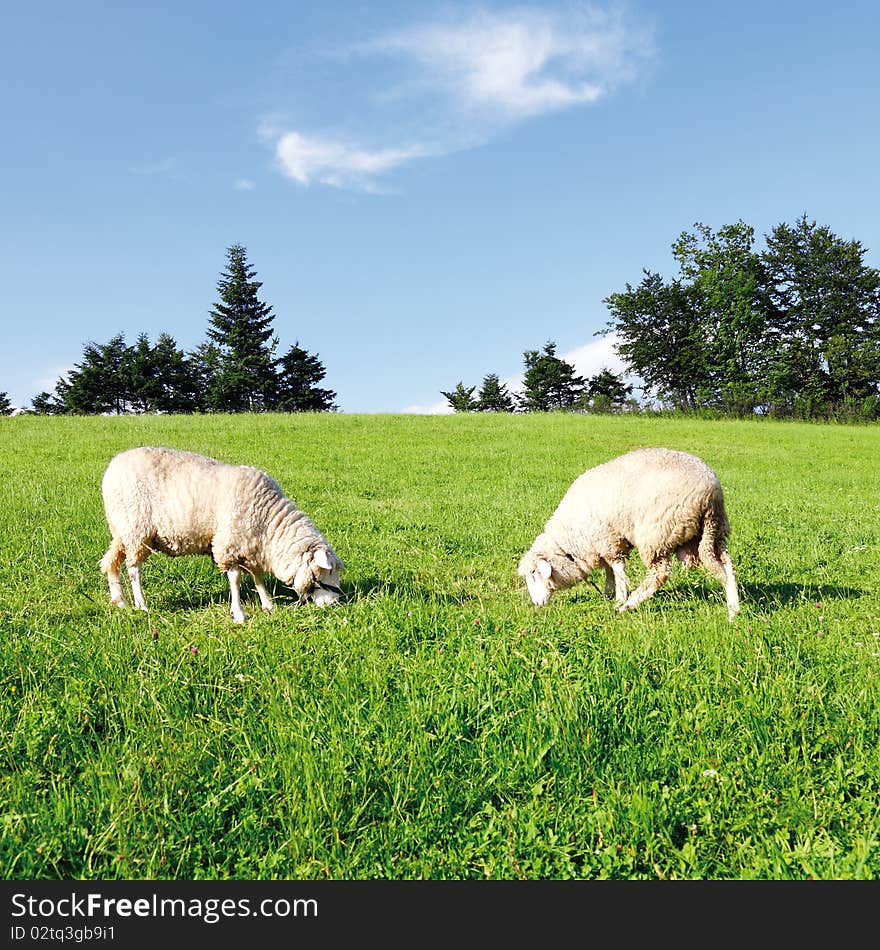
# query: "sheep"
658, 500
176, 502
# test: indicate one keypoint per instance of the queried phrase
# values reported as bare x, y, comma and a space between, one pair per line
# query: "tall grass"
435, 725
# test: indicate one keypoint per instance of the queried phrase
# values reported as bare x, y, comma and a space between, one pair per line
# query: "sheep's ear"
322, 560
543, 568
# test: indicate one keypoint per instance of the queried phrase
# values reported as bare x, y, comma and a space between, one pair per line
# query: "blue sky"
425, 189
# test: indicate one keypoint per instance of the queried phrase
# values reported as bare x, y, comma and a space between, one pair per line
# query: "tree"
549, 382
299, 372
100, 382
176, 383
826, 330
727, 288
461, 398
5, 404
607, 392
494, 396
46, 404
241, 328
660, 339
205, 361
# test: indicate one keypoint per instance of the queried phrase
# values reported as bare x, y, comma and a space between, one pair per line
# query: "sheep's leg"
234, 575
137, 592
110, 565
265, 596
621, 583
610, 586
616, 583
730, 589
718, 563
658, 572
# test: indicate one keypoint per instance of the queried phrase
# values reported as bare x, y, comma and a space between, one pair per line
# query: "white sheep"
176, 502
658, 500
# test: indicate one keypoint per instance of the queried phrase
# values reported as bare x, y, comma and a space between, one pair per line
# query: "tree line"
234, 370
550, 383
792, 331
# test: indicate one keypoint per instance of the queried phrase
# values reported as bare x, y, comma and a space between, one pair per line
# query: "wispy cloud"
460, 81
244, 184
307, 159
524, 62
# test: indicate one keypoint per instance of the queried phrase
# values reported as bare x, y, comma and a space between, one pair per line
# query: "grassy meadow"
435, 725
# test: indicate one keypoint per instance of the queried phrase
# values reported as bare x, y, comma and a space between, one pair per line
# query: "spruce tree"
100, 382
241, 328
5, 404
607, 392
461, 398
299, 373
493, 396
549, 382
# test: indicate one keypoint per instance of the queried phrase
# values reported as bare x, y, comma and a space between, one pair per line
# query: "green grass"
435, 725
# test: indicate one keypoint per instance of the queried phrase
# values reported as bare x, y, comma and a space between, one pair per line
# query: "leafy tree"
660, 338
493, 396
299, 373
549, 382
607, 392
241, 328
461, 398
726, 281
826, 330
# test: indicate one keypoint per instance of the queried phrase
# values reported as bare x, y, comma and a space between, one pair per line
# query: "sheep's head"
546, 568
316, 577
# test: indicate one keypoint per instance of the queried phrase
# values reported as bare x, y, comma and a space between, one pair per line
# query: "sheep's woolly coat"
176, 503
658, 500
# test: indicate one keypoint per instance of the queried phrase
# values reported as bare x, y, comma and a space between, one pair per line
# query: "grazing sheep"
661, 501
175, 502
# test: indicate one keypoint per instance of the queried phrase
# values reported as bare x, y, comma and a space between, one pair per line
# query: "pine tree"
299, 372
100, 382
549, 382
461, 398
47, 404
5, 404
493, 396
241, 328
607, 392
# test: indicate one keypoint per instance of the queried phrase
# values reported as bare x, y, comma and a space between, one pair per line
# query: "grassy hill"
435, 725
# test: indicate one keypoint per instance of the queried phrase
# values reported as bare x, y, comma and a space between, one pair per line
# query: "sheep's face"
316, 577
548, 567
538, 572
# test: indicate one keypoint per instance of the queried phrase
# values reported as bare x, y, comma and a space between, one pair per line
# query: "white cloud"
244, 184
440, 408
525, 62
460, 82
307, 159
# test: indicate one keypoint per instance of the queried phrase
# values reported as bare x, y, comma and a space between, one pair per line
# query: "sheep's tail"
115, 555
713, 553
